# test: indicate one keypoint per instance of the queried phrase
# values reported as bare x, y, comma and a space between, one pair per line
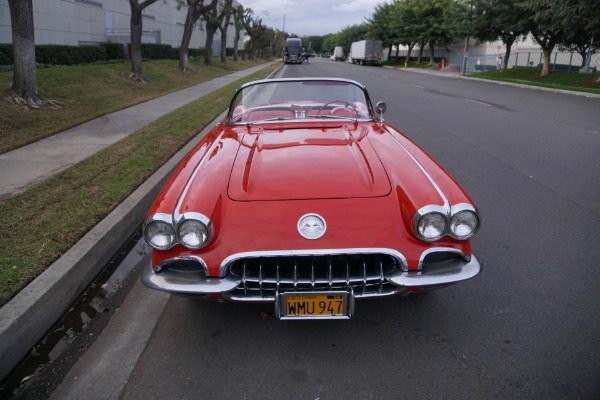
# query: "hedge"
50, 54
6, 54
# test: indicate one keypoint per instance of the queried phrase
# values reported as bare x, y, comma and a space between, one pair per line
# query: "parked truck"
365, 52
338, 53
293, 51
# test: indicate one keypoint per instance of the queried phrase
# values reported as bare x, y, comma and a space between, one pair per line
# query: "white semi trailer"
365, 52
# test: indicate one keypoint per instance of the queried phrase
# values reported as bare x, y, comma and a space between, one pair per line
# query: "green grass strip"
42, 223
587, 83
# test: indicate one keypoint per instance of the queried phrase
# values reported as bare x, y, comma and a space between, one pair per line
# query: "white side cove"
445, 208
177, 215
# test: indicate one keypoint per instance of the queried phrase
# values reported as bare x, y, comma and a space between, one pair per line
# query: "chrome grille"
261, 278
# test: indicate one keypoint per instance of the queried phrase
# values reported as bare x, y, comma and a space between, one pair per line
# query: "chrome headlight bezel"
175, 233
159, 223
197, 224
459, 216
431, 221
447, 221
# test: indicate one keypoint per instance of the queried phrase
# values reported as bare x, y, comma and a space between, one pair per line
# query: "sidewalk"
28, 165
29, 315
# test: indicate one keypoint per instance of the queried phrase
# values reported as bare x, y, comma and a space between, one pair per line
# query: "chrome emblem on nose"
311, 226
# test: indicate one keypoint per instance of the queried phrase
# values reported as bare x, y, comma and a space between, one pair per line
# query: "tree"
24, 83
136, 36
227, 12
212, 22
314, 43
330, 41
195, 8
441, 25
582, 27
499, 19
408, 22
546, 25
238, 25
252, 26
350, 34
380, 25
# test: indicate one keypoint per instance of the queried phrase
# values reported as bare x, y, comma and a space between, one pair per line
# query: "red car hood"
299, 164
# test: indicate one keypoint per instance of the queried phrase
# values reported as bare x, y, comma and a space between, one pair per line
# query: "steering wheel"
342, 102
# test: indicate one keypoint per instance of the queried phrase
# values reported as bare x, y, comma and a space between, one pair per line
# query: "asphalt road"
527, 327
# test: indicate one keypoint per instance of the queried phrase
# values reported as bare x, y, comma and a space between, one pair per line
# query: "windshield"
299, 100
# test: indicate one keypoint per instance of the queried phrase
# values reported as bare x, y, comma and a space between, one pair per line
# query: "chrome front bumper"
197, 283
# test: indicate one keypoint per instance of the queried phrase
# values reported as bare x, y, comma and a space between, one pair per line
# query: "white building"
88, 22
489, 55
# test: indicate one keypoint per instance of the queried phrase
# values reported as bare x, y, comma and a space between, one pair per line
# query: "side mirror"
380, 108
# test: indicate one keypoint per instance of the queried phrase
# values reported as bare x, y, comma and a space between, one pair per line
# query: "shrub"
153, 51
6, 54
68, 55
114, 51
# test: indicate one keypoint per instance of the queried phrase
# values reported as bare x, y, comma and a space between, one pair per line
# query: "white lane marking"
418, 86
479, 102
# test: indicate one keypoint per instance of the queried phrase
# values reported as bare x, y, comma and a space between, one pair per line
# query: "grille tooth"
380, 277
244, 280
261, 278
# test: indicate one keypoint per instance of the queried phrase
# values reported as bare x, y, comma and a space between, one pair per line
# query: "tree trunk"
235, 44
136, 41
210, 33
431, 51
190, 19
224, 46
421, 48
135, 26
410, 48
223, 27
546, 66
506, 56
24, 84
547, 43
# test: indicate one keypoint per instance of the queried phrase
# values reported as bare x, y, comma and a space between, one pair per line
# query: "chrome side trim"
185, 283
418, 279
446, 204
223, 269
176, 214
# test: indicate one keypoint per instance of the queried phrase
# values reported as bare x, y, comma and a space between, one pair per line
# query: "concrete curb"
457, 75
531, 87
31, 314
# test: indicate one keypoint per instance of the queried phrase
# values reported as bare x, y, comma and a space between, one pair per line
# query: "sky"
311, 17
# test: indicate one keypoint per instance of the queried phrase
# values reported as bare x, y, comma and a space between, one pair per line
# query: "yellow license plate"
314, 305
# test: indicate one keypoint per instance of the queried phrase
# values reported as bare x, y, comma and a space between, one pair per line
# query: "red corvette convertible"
305, 198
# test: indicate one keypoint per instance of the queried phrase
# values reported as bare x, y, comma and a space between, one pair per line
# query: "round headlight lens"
193, 234
431, 226
159, 234
464, 224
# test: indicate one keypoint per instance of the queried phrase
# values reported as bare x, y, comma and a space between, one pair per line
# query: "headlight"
194, 230
464, 224
431, 226
159, 234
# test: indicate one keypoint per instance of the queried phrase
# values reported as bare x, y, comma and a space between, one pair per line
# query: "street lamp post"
284, 23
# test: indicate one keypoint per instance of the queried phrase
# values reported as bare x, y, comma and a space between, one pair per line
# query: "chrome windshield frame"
234, 101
